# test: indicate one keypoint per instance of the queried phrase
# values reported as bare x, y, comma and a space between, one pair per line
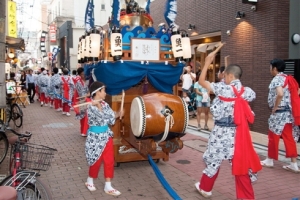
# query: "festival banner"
89, 16
12, 19
171, 12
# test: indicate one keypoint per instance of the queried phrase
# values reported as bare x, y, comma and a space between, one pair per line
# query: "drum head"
138, 117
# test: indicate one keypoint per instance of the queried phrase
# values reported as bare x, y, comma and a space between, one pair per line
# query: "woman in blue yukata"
99, 142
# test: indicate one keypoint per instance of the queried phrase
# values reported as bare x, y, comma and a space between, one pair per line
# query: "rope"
162, 180
169, 123
59, 96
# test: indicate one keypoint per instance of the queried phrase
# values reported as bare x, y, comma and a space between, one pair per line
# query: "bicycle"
24, 158
13, 112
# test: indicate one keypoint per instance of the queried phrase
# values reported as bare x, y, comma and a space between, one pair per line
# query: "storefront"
260, 34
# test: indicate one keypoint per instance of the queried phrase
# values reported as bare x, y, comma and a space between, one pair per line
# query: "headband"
97, 90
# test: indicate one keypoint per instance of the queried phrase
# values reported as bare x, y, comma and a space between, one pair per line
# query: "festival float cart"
139, 60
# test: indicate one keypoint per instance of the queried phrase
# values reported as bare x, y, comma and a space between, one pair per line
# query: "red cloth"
66, 87
107, 157
295, 100
245, 157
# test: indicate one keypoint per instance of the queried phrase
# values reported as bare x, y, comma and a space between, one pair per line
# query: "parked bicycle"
26, 160
13, 112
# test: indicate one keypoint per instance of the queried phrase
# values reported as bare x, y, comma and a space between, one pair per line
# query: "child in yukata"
230, 138
99, 142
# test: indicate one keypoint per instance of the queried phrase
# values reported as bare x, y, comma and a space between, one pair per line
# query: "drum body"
148, 114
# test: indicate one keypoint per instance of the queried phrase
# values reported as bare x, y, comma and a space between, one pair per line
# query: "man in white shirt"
187, 80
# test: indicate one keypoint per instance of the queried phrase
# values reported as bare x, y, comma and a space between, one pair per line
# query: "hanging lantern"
95, 41
87, 47
79, 51
82, 49
177, 45
116, 44
186, 46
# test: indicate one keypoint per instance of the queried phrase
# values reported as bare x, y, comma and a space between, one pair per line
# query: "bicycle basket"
36, 157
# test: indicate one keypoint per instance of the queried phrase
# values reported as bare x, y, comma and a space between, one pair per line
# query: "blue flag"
171, 12
89, 15
116, 13
55, 51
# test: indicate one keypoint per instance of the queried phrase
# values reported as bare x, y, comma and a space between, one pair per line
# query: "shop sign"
12, 19
52, 33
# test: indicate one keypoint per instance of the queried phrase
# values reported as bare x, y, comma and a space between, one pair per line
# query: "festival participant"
67, 91
281, 121
98, 149
75, 77
83, 90
44, 84
230, 138
55, 87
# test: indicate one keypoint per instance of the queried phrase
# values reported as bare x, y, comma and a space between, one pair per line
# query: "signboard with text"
52, 33
12, 19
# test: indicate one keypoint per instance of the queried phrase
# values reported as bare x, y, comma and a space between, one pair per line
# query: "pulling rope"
162, 180
169, 123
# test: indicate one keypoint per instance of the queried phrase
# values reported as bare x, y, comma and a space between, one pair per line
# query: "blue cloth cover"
118, 76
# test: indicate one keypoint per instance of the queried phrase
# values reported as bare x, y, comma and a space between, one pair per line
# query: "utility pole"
2, 53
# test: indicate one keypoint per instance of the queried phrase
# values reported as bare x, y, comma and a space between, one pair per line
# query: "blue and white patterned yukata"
96, 142
220, 145
278, 120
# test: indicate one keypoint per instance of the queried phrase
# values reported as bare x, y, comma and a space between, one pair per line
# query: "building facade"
68, 17
262, 34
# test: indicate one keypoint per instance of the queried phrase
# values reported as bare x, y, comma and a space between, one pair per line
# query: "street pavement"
137, 180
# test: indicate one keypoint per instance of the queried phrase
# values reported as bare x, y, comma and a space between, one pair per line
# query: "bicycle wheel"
3, 146
33, 190
17, 115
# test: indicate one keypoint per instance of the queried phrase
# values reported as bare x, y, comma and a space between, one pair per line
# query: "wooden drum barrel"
148, 114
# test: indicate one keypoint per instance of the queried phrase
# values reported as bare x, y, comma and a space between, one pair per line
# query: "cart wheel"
157, 161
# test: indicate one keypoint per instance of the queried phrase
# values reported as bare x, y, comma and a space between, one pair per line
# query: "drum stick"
227, 60
122, 103
81, 97
86, 103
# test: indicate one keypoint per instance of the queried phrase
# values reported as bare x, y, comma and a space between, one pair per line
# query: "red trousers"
57, 103
43, 98
84, 126
107, 157
66, 107
244, 189
289, 143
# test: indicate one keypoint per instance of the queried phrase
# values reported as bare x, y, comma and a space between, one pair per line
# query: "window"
102, 6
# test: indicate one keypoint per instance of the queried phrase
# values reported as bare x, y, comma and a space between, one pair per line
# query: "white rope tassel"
169, 123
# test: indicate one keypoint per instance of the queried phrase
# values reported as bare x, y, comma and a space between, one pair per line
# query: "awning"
15, 43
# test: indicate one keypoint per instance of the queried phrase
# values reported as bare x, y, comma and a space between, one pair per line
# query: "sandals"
113, 192
90, 187
203, 193
206, 128
265, 165
290, 168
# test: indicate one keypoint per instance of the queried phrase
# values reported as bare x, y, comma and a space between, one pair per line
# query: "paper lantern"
79, 51
177, 49
82, 48
186, 46
87, 47
95, 41
116, 44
